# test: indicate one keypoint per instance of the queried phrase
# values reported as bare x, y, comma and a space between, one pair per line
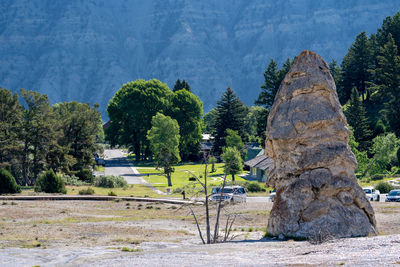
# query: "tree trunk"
169, 179
137, 152
233, 177
207, 212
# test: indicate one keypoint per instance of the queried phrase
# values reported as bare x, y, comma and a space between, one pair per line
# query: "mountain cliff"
85, 50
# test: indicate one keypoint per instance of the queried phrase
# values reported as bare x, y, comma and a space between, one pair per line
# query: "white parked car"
230, 194
272, 195
372, 194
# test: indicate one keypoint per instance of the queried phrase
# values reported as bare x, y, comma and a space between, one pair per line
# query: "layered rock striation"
313, 168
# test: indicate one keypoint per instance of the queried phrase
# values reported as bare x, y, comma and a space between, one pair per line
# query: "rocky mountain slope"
85, 50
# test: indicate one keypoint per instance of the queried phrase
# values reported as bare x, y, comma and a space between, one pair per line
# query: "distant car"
372, 194
230, 194
272, 195
393, 196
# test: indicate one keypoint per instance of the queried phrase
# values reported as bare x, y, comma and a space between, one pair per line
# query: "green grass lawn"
180, 178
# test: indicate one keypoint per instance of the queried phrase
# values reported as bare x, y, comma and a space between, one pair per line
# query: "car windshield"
367, 191
218, 190
394, 193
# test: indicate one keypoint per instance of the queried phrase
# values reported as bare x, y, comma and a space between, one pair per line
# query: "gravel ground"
370, 251
90, 233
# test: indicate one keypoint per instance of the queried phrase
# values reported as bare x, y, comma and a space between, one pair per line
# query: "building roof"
262, 162
254, 152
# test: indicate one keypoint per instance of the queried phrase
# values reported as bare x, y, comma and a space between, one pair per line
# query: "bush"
87, 191
110, 181
85, 175
384, 187
50, 183
376, 177
177, 190
254, 187
7, 183
112, 194
72, 180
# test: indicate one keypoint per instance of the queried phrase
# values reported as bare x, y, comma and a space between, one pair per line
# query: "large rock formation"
313, 169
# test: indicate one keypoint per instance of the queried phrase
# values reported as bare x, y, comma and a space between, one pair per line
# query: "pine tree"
38, 133
181, 85
10, 127
355, 115
355, 67
271, 85
231, 114
388, 79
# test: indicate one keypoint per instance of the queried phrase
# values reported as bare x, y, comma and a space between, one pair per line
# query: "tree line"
35, 136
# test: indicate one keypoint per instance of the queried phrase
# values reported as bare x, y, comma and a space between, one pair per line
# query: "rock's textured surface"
313, 169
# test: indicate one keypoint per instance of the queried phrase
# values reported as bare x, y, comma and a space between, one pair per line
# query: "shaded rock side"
313, 168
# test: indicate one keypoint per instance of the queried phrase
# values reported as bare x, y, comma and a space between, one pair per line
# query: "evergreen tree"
355, 114
355, 67
10, 128
388, 79
231, 114
81, 126
181, 85
335, 72
272, 81
38, 134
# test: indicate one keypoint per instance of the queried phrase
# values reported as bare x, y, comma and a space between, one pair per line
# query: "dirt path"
118, 164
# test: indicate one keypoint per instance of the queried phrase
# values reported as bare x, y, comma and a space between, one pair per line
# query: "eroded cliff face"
85, 50
313, 166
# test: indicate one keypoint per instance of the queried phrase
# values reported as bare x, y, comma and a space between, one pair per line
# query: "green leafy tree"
209, 121
164, 143
179, 85
131, 111
231, 114
361, 156
212, 160
384, 149
10, 128
233, 161
38, 135
355, 114
256, 124
233, 139
187, 109
8, 184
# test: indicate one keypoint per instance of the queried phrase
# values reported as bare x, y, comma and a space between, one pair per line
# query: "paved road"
118, 164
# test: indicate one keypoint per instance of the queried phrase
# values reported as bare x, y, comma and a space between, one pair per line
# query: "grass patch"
99, 168
34, 244
126, 249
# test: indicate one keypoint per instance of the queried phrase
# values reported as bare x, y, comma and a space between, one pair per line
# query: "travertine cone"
313, 166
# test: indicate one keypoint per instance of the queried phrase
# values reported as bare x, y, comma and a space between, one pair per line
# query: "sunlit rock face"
313, 166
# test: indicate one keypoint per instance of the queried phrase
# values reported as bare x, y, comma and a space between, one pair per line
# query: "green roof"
254, 152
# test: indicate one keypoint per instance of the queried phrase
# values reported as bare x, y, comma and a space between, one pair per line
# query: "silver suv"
230, 194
